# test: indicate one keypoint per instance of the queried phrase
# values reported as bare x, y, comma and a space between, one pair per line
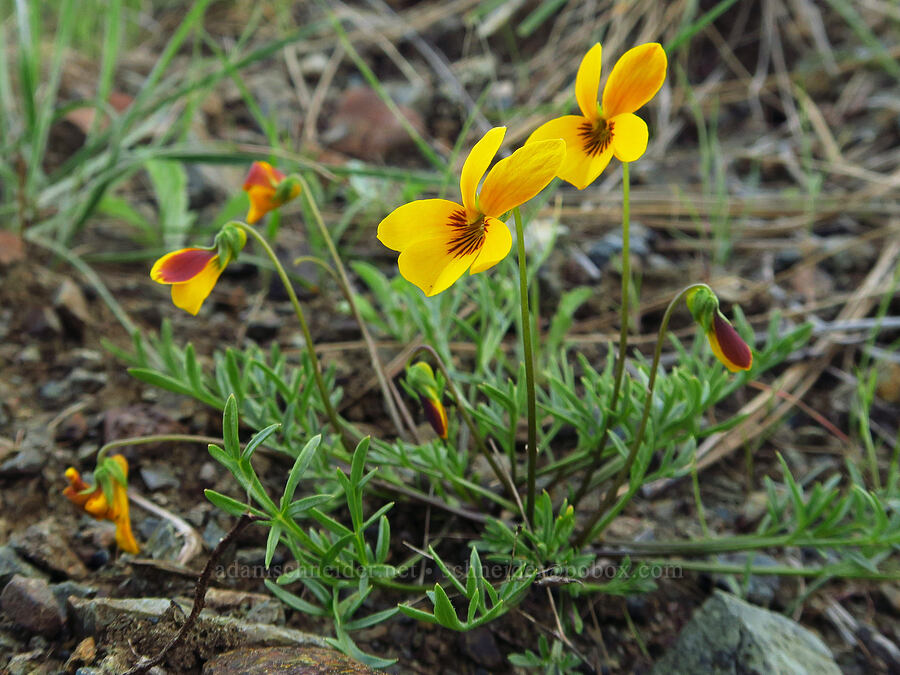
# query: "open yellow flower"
193, 272
612, 128
439, 240
93, 502
265, 187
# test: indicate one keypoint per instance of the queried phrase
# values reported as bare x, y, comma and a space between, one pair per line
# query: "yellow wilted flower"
439, 240
95, 503
612, 128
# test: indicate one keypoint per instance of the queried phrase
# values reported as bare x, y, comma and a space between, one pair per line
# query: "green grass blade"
112, 42
48, 103
695, 27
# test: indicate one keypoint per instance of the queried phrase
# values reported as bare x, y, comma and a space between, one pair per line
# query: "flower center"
467, 237
596, 135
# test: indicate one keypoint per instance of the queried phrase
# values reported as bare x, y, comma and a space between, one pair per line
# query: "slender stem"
344, 283
155, 438
502, 476
748, 542
623, 334
528, 353
593, 529
695, 481
307, 337
200, 589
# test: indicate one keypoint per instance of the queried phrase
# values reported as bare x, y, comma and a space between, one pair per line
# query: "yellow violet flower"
193, 272
93, 501
268, 189
439, 240
612, 128
727, 345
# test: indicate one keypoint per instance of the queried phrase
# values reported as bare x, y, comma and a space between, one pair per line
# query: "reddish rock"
31, 604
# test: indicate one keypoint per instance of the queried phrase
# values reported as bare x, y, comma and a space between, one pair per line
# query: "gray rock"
35, 446
289, 661
609, 245
761, 590
72, 307
212, 534
268, 612
54, 391
82, 380
67, 588
29, 663
160, 542
158, 476
31, 604
25, 463
94, 616
728, 636
11, 564
44, 544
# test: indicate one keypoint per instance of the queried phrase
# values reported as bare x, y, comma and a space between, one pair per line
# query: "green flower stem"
605, 510
156, 438
623, 335
746, 542
310, 345
344, 283
754, 570
462, 406
529, 367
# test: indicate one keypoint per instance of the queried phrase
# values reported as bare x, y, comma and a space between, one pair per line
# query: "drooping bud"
728, 346
268, 188
724, 340
420, 380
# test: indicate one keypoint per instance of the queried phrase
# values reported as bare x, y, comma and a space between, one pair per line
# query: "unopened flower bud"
420, 379
725, 342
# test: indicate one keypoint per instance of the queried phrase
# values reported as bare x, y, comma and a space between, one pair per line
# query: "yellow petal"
430, 266
262, 200
579, 167
629, 137
497, 242
520, 176
587, 82
634, 80
421, 219
190, 295
476, 164
97, 506
124, 536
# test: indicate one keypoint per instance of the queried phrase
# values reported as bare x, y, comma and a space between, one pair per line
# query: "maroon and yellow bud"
193, 272
728, 346
725, 342
420, 379
107, 500
268, 188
